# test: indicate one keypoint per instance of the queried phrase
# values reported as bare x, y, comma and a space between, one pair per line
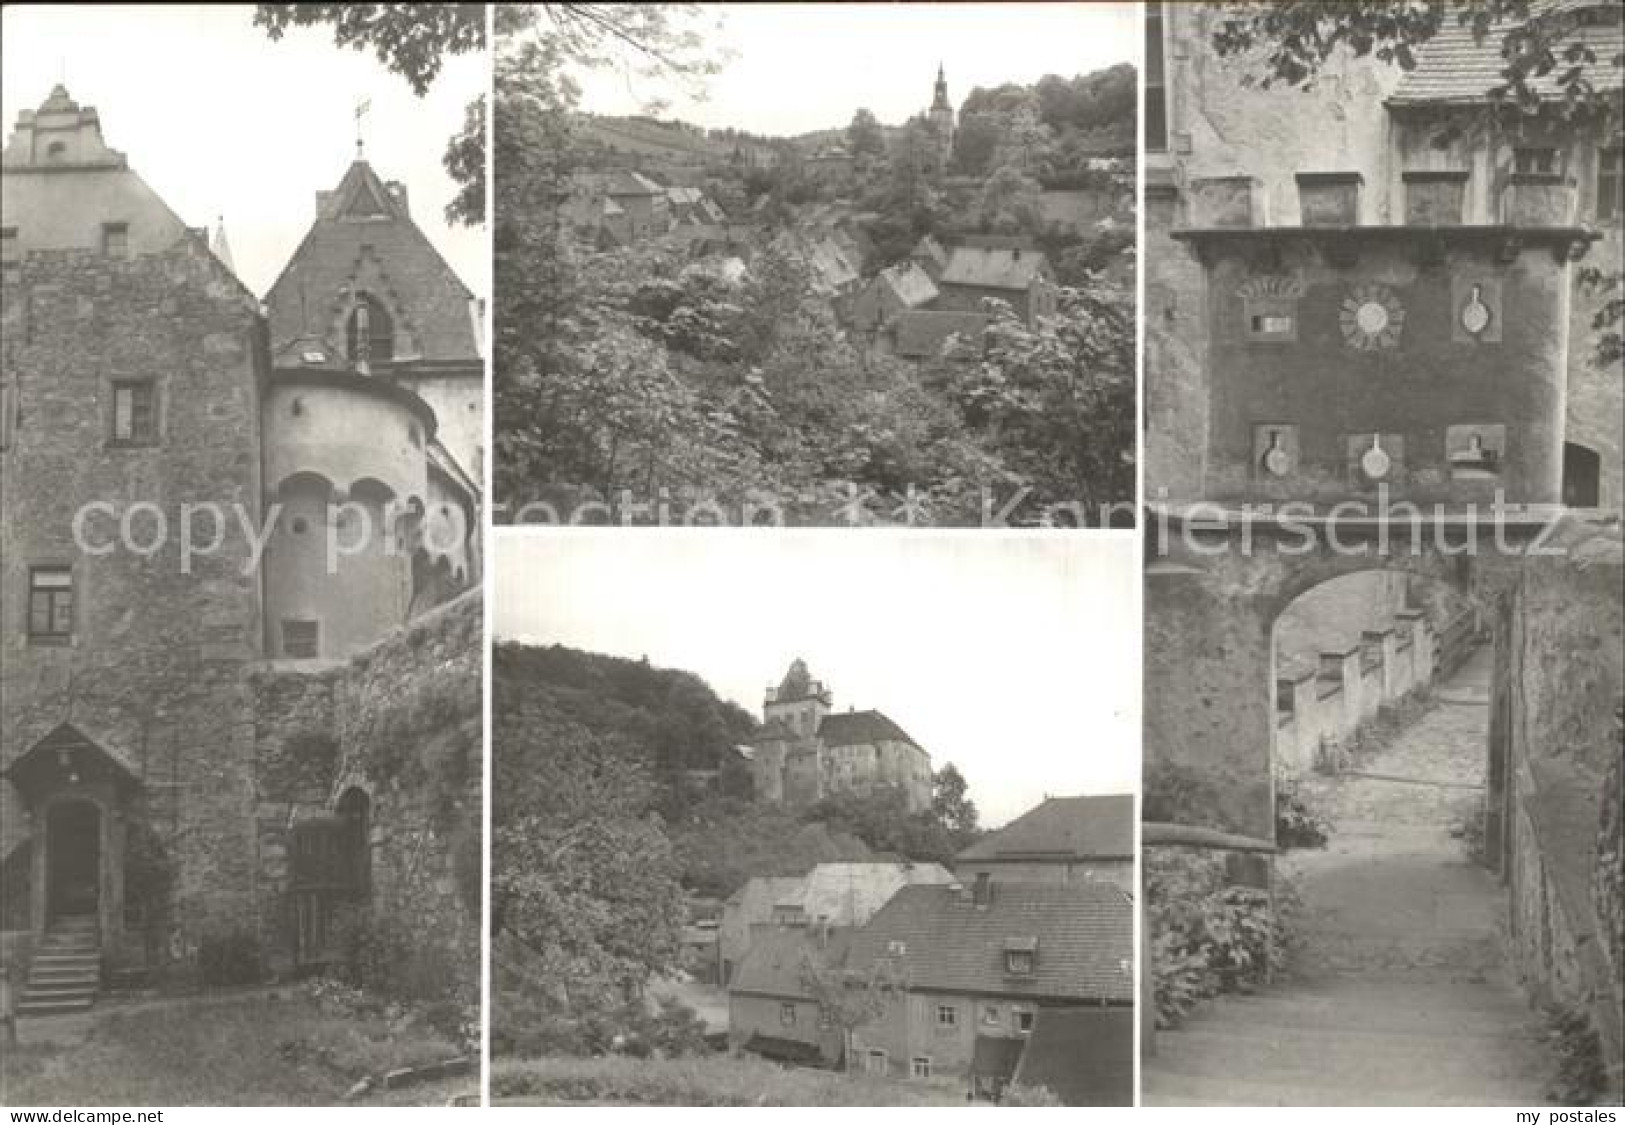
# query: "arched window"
354, 813
369, 334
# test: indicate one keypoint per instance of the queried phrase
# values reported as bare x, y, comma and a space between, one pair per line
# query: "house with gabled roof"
1019, 276
841, 895
772, 1010
975, 968
892, 291
1062, 840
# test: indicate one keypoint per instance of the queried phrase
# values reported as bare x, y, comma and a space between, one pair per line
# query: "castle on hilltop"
806, 751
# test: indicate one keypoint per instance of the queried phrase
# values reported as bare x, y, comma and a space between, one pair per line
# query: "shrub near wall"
410, 736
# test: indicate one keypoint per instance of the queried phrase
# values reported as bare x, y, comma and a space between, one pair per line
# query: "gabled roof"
940, 940
67, 749
1453, 68
911, 284
364, 225
1084, 1056
928, 249
993, 267
1063, 828
622, 181
849, 894
778, 957
923, 332
859, 728
797, 682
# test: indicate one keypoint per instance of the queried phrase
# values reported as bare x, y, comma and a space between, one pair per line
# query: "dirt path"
1401, 995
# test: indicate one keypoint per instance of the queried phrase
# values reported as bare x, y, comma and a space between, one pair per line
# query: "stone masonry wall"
152, 671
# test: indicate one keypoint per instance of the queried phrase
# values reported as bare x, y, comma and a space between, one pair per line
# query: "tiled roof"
778, 957
849, 894
941, 940
923, 332
797, 682
1063, 827
1084, 1056
858, 728
772, 730
994, 267
928, 249
1453, 68
912, 285
364, 232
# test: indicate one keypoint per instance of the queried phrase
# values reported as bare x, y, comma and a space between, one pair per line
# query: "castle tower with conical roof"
799, 702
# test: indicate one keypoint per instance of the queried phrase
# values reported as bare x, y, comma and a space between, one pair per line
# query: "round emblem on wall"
1375, 461
1372, 318
1475, 314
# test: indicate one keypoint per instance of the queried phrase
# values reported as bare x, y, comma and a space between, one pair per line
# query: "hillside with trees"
632, 372
600, 838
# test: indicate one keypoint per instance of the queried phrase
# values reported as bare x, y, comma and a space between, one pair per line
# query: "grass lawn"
719, 1080
260, 1049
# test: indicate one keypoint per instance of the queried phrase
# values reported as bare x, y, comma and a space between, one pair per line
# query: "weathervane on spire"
361, 109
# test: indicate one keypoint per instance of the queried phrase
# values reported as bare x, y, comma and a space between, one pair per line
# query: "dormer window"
116, 240
1020, 956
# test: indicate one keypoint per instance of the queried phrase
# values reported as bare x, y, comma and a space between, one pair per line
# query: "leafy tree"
864, 135
412, 40
1009, 201
951, 803
1056, 399
850, 999
976, 142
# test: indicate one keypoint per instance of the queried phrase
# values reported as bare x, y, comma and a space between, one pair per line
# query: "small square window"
947, 1015
875, 1062
135, 412
920, 1066
299, 639
990, 1015
787, 1015
50, 604
116, 240
1024, 1021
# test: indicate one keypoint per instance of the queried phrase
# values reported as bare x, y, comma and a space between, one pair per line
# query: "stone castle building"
1385, 148
218, 516
806, 750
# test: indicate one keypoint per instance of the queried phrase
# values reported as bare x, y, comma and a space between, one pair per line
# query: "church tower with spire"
941, 115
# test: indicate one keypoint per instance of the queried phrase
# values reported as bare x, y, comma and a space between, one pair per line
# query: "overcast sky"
800, 67
220, 120
1015, 658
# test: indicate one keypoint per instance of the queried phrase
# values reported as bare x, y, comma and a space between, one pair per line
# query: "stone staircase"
1353, 1043
66, 971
